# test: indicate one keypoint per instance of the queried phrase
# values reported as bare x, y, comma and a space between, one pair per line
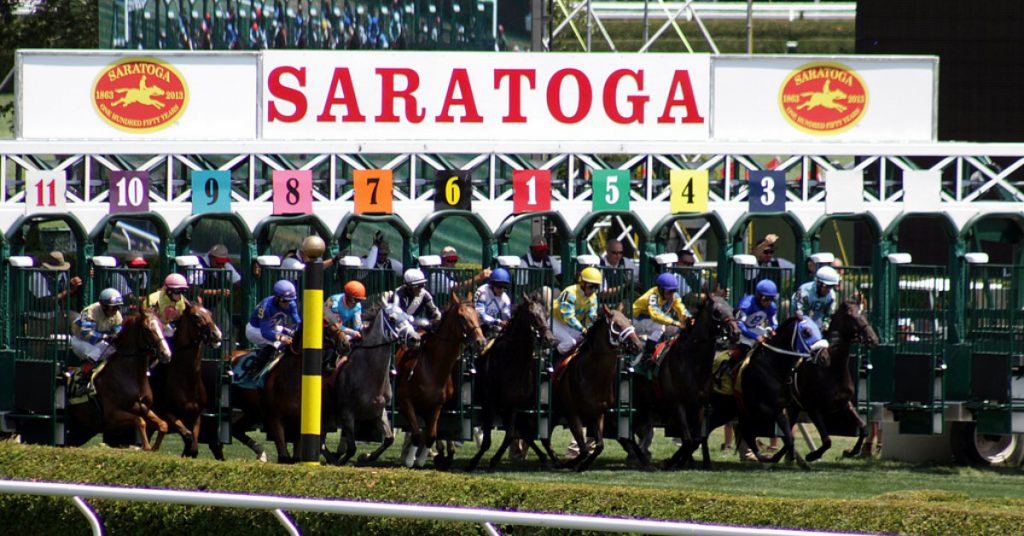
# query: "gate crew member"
756, 315
169, 303
658, 308
415, 301
98, 324
493, 303
575, 310
349, 307
817, 299
273, 323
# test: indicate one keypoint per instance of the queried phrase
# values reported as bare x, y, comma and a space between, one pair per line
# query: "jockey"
97, 325
169, 303
413, 299
575, 310
817, 299
349, 308
657, 308
274, 322
756, 317
492, 301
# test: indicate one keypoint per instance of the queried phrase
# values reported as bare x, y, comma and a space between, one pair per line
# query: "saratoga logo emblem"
823, 98
140, 94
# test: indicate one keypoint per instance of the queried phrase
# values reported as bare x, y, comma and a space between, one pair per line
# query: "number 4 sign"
531, 190
689, 188
45, 191
767, 191
129, 191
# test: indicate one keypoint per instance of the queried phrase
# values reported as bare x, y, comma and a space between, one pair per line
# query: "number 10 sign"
129, 191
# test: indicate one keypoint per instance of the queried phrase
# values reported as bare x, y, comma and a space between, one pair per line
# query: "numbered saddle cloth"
248, 373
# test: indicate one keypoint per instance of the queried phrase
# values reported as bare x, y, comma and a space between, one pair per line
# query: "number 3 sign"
129, 191
767, 191
293, 191
453, 189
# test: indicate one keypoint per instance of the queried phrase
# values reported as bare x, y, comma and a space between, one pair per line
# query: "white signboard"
133, 96
922, 190
838, 99
844, 191
485, 96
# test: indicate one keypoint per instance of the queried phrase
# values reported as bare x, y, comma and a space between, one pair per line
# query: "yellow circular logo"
823, 98
140, 94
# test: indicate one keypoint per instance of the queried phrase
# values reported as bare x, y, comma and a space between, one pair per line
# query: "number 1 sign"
45, 191
129, 191
531, 190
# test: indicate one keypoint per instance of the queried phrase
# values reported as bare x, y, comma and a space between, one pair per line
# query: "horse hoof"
848, 453
802, 464
262, 458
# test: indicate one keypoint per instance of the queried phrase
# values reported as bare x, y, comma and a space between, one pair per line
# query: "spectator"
764, 250
134, 283
614, 257
538, 257
378, 257
53, 290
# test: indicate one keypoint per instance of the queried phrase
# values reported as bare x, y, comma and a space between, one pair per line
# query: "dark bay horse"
684, 382
181, 395
362, 388
821, 391
506, 377
766, 383
278, 405
123, 395
425, 377
586, 387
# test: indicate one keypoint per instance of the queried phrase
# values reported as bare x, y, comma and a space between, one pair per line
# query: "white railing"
730, 10
280, 505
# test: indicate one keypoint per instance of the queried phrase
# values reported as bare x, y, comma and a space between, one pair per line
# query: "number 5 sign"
531, 190
611, 189
45, 191
129, 191
689, 189
767, 191
453, 189
293, 191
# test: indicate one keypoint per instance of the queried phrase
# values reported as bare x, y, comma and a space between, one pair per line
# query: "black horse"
506, 378
823, 391
680, 395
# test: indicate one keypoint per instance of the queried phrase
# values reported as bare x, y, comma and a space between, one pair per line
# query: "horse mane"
786, 327
591, 333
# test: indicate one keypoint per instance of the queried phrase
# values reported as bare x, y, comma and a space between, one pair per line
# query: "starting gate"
538, 282
134, 284
619, 286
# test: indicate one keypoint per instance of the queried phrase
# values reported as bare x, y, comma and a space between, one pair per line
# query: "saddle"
563, 364
81, 385
651, 366
727, 382
246, 372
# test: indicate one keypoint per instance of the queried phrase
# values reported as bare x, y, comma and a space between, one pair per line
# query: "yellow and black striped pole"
312, 350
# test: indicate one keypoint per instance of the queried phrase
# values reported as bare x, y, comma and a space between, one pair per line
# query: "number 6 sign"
453, 188
129, 191
767, 191
293, 191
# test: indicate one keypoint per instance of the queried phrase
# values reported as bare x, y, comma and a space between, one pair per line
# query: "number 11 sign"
45, 191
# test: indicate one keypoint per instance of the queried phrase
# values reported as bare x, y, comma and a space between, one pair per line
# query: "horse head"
721, 315
335, 339
807, 339
397, 326
151, 337
468, 322
849, 323
620, 330
198, 322
536, 314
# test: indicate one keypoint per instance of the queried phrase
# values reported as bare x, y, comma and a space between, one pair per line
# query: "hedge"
905, 512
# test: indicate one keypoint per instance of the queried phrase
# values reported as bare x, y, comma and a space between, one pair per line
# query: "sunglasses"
619, 252
450, 258
769, 251
499, 287
175, 292
588, 286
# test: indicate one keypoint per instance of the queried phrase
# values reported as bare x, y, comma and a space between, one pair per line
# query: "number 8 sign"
129, 191
293, 191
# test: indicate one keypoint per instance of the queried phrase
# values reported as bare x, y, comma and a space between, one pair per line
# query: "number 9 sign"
453, 189
767, 191
293, 191
211, 191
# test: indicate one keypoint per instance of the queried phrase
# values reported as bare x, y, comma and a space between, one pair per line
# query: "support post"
312, 350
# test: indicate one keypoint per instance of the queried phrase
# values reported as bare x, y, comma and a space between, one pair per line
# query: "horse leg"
576, 428
414, 432
389, 438
275, 429
427, 439
788, 445
348, 435
194, 452
826, 442
239, 431
598, 447
486, 425
510, 435
862, 432
680, 454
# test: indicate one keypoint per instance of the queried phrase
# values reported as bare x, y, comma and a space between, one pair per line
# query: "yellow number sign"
689, 189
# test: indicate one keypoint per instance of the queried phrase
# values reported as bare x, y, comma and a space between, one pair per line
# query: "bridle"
616, 338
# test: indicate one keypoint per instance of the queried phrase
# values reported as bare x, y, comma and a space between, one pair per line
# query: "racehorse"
425, 378
181, 395
585, 388
278, 404
684, 382
506, 376
123, 395
822, 391
361, 390
766, 379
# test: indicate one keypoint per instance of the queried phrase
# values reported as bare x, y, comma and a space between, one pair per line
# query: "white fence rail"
279, 505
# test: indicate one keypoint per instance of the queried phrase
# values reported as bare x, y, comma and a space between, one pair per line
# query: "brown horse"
181, 395
123, 395
278, 405
425, 377
823, 391
585, 390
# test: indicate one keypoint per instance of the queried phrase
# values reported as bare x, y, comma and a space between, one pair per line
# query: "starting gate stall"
7, 354
515, 235
748, 267
355, 235
197, 235
42, 308
119, 237
469, 235
214, 287
281, 236
704, 235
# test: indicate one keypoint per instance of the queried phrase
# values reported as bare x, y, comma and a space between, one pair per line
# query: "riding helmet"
500, 275
591, 275
414, 276
827, 275
766, 287
667, 281
355, 290
285, 290
175, 281
111, 297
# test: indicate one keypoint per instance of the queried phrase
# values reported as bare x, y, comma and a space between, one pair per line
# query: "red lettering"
638, 101
389, 94
681, 81
341, 80
555, 90
515, 91
459, 78
285, 93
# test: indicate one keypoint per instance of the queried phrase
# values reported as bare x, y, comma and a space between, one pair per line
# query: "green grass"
6, 121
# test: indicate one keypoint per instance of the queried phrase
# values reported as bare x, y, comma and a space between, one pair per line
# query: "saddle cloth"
243, 374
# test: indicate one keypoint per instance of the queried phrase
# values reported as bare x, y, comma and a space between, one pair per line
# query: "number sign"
45, 191
611, 189
373, 193
689, 189
129, 191
293, 191
531, 190
211, 191
453, 188
767, 191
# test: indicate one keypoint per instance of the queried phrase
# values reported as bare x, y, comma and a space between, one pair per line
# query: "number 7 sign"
373, 193
45, 191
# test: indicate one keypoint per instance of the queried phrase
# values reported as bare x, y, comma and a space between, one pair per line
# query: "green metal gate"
133, 284
745, 278
619, 286
538, 282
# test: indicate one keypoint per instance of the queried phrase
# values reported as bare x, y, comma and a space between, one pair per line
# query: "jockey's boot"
648, 352
735, 356
263, 356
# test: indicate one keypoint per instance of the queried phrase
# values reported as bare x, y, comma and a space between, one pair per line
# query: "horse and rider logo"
140, 94
823, 98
